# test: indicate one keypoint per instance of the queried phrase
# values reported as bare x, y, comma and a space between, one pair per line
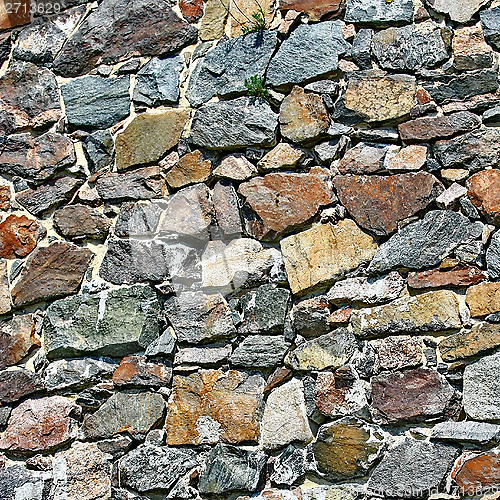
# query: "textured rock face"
379, 13
483, 189
76, 222
191, 168
477, 471
468, 432
436, 278
315, 9
483, 299
461, 11
17, 338
401, 351
19, 236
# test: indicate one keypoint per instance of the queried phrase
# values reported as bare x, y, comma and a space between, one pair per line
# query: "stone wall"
210, 294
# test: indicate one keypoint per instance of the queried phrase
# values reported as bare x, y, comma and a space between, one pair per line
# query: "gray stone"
467, 432
96, 102
260, 351
226, 205
158, 81
311, 51
99, 148
208, 355
18, 482
361, 48
132, 413
110, 323
310, 316
413, 47
17, 384
289, 466
379, 13
493, 257
224, 70
424, 243
94, 397
460, 11
77, 222
481, 392
492, 115
330, 150
137, 219
152, 468
164, 345
412, 468
490, 21
233, 124
229, 469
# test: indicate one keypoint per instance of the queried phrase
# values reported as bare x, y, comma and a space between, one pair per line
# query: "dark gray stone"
164, 345
490, 21
379, 13
16, 480
109, 323
467, 432
411, 47
99, 148
311, 51
328, 151
226, 205
229, 469
152, 468
5, 46
493, 257
93, 397
137, 219
424, 243
362, 48
96, 102
492, 115
17, 384
158, 81
310, 317
234, 124
289, 466
224, 70
260, 351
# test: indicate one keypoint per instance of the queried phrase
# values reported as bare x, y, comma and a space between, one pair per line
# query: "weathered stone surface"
19, 236
347, 449
441, 127
137, 219
310, 316
285, 417
493, 256
474, 472
38, 425
17, 384
284, 155
111, 322
410, 48
227, 208
413, 157
119, 29
311, 51
157, 82
260, 351
424, 243
230, 469
284, 201
224, 70
315, 9
190, 168
449, 199
361, 48
132, 413
430, 312
470, 50
490, 22
413, 468
400, 351
152, 468
483, 191
98, 148
289, 467
379, 13
225, 409
378, 203
481, 393
366, 290
460, 11
235, 167
5, 298
324, 254
363, 159
17, 480
483, 299
234, 124
164, 345
192, 10
135, 371
17, 338
466, 432
412, 396
303, 116
214, 19
208, 355
149, 136
240, 14
332, 350
51, 272
436, 278
77, 222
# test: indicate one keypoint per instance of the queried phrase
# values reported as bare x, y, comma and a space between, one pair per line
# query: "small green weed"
255, 87
256, 24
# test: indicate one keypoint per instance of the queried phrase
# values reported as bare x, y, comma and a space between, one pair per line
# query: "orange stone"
435, 278
19, 236
484, 193
473, 473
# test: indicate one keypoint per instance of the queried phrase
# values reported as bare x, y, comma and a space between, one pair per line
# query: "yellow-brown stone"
190, 168
483, 299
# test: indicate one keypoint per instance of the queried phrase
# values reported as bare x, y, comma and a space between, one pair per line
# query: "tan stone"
5, 302
235, 167
214, 19
241, 13
325, 253
190, 168
454, 174
315, 9
412, 157
483, 299
484, 192
460, 11
400, 351
284, 155
470, 49
149, 136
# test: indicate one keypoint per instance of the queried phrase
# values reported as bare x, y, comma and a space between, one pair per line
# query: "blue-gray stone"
490, 21
361, 48
379, 13
493, 257
99, 148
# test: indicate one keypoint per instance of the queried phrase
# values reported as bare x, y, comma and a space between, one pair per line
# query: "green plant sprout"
255, 87
257, 24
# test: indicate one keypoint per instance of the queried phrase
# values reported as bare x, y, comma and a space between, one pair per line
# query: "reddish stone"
315, 9
51, 272
17, 338
484, 192
192, 10
284, 200
4, 197
19, 236
136, 371
378, 203
340, 316
423, 96
435, 278
412, 396
15, 16
279, 375
190, 168
475, 472
40, 425
16, 384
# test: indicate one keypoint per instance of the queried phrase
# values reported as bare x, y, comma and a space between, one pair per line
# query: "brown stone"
235, 167
242, 10
19, 236
483, 299
484, 193
284, 155
400, 351
303, 116
438, 127
277, 377
284, 201
470, 50
214, 19
412, 396
79, 221
325, 253
14, 17
212, 405
192, 10
190, 168
17, 339
136, 371
5, 196
17, 384
436, 278
378, 203
412, 157
39, 425
362, 159
476, 473
51, 272
315, 9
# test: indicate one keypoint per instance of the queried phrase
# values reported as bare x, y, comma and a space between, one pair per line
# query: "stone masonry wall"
240, 262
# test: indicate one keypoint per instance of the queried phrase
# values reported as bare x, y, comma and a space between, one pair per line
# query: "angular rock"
483, 299
190, 168
493, 257
315, 9
119, 29
211, 354
284, 155
164, 345
310, 316
289, 467
449, 198
149, 136
17, 384
379, 13
17, 480
235, 167
470, 50
437, 278
363, 159
398, 352
303, 116
135, 371
137, 219
214, 19
466, 432
39, 425
424, 243
325, 253
99, 147
5, 298
157, 82
483, 189
239, 15
192, 10
477, 472
429, 312
226, 408
51, 272
311, 51
285, 417
260, 351
409, 158
378, 203
460, 11
77, 222
227, 211
19, 236
109, 323
234, 124
361, 48
490, 22
17, 338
